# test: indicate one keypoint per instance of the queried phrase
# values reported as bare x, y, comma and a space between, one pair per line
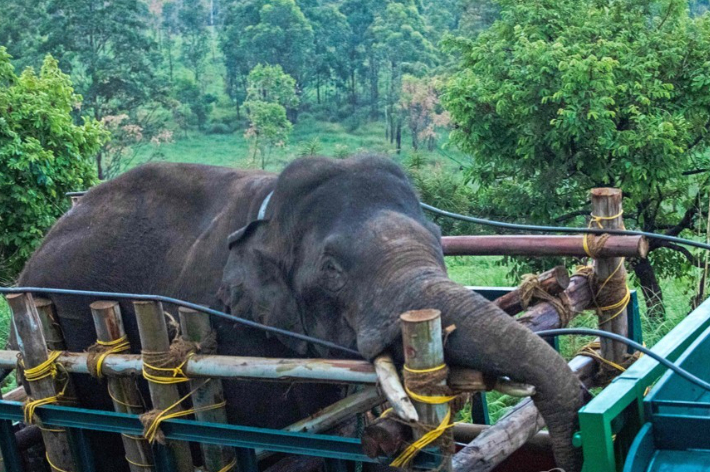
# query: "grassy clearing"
233, 150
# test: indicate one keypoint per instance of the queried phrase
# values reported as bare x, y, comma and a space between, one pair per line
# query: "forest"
506, 109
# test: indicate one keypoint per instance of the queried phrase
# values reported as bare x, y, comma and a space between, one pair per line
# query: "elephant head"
344, 249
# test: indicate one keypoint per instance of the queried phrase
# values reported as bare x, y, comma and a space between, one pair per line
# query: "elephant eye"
333, 278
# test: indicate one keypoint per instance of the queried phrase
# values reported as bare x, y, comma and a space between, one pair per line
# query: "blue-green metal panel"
335, 447
634, 320
642, 450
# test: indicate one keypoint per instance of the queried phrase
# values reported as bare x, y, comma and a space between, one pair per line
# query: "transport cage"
634, 426
80, 423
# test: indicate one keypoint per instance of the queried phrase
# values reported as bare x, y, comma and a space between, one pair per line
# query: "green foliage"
271, 84
559, 97
270, 91
310, 148
43, 155
192, 23
199, 104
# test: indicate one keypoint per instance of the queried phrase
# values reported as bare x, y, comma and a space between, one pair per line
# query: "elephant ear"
254, 284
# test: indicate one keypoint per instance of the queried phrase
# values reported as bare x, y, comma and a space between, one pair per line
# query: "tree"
400, 37
112, 59
266, 32
20, 23
331, 32
270, 91
43, 155
192, 22
561, 96
420, 104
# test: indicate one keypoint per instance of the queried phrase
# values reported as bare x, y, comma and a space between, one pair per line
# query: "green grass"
233, 150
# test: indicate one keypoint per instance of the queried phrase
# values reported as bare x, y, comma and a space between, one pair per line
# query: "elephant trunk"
489, 340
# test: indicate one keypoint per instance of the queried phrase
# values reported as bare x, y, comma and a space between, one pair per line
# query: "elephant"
333, 249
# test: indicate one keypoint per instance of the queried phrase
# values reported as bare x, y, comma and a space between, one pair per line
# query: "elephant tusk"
514, 389
393, 389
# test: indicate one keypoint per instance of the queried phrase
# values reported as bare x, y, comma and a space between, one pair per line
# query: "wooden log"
541, 245
424, 349
545, 316
332, 415
154, 338
123, 391
196, 327
16, 395
392, 388
469, 380
55, 341
553, 281
467, 432
512, 431
606, 202
33, 346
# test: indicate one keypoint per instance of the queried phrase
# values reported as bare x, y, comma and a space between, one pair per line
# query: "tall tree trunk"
99, 165
650, 288
399, 136
318, 89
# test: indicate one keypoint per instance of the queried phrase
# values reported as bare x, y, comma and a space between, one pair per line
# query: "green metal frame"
611, 421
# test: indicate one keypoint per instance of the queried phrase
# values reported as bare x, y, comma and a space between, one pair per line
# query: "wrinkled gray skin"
344, 250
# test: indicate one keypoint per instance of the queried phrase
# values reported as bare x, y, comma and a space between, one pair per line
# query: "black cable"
562, 229
629, 342
175, 301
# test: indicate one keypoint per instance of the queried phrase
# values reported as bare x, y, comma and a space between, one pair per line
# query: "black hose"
175, 301
562, 229
629, 342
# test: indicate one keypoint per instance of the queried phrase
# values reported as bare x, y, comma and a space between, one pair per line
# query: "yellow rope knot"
429, 437
47, 369
176, 374
152, 419
592, 247
101, 349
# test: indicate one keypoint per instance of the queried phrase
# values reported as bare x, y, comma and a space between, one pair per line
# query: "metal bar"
185, 430
540, 245
228, 367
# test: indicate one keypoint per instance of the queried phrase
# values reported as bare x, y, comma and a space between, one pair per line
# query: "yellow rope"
46, 455
138, 464
115, 347
589, 350
44, 370
127, 405
229, 466
178, 375
151, 429
597, 219
413, 449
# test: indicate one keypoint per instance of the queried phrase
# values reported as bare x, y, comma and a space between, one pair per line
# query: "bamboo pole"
123, 391
55, 341
154, 337
196, 327
424, 349
606, 202
33, 346
541, 245
553, 281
